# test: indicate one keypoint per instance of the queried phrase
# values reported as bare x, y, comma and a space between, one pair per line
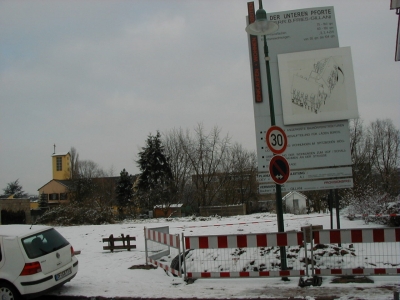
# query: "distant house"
168, 211
58, 190
295, 203
55, 191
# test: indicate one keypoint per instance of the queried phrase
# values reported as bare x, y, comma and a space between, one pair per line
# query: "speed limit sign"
276, 139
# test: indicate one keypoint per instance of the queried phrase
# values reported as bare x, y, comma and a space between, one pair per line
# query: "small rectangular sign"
311, 174
394, 4
312, 185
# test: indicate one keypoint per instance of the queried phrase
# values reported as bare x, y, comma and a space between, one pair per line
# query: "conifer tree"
14, 189
155, 182
124, 191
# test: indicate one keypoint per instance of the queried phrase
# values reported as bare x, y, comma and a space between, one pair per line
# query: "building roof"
293, 193
60, 154
171, 205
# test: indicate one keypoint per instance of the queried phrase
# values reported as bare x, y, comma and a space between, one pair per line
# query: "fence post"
111, 242
184, 256
312, 250
128, 242
305, 249
145, 245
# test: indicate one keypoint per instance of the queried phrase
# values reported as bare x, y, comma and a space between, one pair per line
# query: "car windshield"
43, 243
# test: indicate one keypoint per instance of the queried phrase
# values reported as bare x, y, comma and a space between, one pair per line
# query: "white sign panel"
311, 185
317, 145
317, 86
311, 145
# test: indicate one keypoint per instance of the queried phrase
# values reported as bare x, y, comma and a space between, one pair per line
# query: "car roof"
21, 230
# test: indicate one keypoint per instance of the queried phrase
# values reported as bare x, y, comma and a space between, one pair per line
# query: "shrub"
74, 214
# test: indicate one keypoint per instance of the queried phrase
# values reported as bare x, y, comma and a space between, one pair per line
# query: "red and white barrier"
160, 235
246, 274
357, 272
164, 266
163, 238
244, 241
246, 223
380, 235
228, 224
374, 216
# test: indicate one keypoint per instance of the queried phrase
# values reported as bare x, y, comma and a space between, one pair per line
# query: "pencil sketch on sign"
312, 92
317, 86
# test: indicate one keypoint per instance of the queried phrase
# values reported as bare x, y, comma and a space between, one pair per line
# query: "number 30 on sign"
276, 140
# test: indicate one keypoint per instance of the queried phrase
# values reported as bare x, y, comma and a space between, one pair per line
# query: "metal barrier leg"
183, 256
315, 280
305, 250
312, 250
145, 245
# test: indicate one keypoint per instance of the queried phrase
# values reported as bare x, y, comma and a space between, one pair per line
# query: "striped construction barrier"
360, 236
162, 238
357, 272
160, 235
227, 224
287, 273
226, 255
338, 236
244, 240
374, 216
261, 241
164, 266
246, 223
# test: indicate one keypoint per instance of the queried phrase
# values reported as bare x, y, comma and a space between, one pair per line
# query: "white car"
33, 260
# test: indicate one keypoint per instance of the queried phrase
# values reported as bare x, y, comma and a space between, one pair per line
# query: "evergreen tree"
155, 184
14, 188
124, 191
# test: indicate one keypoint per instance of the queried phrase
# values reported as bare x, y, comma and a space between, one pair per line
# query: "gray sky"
101, 75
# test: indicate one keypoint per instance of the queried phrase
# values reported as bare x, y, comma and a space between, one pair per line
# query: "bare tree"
362, 157
241, 177
74, 162
90, 169
375, 157
181, 167
385, 153
206, 152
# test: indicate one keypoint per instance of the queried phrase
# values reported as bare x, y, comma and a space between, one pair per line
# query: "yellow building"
56, 190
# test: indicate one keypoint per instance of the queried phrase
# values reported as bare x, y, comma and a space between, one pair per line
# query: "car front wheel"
8, 292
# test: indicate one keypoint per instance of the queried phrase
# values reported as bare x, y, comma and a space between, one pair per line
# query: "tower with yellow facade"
61, 166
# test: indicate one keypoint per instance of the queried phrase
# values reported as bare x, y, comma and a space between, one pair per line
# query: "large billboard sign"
317, 134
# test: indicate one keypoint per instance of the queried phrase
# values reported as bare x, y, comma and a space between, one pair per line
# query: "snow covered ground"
102, 273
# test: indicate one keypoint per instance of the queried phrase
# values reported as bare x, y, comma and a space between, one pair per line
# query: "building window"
63, 196
53, 196
59, 163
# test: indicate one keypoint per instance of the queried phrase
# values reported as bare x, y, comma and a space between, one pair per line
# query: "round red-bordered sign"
276, 139
279, 169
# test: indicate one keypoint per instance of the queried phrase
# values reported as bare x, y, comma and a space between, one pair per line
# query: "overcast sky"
101, 75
